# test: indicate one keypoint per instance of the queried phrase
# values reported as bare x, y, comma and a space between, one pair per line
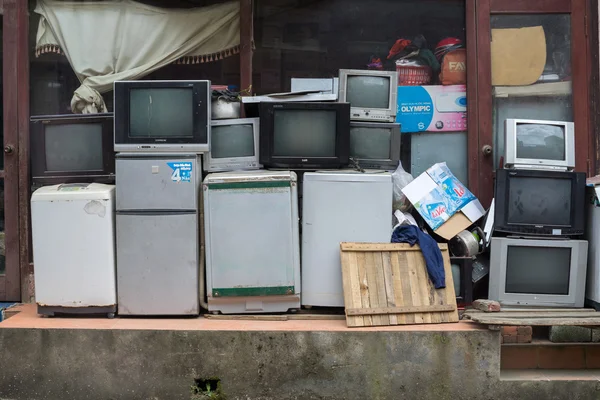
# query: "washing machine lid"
74, 191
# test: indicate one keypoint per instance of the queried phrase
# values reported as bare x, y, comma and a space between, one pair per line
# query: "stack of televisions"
537, 257
164, 137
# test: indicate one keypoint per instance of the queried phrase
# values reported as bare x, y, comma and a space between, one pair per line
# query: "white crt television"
538, 272
373, 95
375, 145
536, 144
234, 145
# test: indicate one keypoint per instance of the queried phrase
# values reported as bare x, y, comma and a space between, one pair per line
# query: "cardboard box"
432, 108
443, 201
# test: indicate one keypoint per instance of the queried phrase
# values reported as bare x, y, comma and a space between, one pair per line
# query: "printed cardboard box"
432, 108
443, 201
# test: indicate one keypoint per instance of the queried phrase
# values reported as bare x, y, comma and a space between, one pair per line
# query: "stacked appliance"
161, 128
537, 256
351, 205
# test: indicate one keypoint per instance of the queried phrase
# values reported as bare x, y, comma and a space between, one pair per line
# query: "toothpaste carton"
443, 201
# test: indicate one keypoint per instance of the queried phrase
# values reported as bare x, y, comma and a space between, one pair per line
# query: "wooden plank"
345, 246
371, 289
315, 317
355, 297
397, 284
422, 285
547, 314
398, 310
540, 321
530, 7
403, 272
449, 290
535, 310
246, 51
380, 287
389, 285
364, 286
290, 317
347, 284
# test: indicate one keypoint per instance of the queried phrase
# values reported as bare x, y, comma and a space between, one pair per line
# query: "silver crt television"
373, 95
375, 144
538, 272
233, 145
537, 144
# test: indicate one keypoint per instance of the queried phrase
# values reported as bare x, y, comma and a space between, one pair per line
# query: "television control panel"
366, 115
216, 167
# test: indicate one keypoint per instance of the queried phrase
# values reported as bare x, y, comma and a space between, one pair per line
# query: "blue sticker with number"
182, 171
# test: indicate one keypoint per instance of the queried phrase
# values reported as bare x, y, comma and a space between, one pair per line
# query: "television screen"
73, 147
370, 143
228, 141
304, 133
538, 270
539, 201
161, 112
368, 91
541, 141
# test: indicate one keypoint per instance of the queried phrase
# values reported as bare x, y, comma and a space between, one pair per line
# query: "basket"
410, 75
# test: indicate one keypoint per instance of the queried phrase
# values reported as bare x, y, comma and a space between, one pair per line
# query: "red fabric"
400, 45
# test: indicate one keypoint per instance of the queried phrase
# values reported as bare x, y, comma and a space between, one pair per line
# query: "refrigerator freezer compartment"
158, 182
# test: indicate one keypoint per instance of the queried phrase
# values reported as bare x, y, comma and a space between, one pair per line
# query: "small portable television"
375, 145
540, 203
162, 116
536, 144
72, 149
304, 135
373, 95
233, 145
533, 272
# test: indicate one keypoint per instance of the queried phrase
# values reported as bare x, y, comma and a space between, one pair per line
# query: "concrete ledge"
452, 361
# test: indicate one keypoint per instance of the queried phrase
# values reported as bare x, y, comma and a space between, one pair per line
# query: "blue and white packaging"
443, 201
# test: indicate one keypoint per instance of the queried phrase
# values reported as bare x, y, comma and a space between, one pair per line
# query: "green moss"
207, 389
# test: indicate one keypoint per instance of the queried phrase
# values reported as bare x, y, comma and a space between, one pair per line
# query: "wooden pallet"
532, 317
387, 284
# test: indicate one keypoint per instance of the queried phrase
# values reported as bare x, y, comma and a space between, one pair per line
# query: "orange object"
454, 68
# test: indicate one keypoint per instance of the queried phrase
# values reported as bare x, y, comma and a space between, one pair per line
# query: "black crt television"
304, 135
542, 203
72, 148
162, 116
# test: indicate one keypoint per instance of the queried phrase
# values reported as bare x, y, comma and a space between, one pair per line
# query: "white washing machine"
73, 229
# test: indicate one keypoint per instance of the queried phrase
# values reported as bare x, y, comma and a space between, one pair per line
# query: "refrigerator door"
158, 182
252, 246
157, 264
339, 208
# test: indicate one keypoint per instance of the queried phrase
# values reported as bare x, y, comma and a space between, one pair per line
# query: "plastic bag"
401, 178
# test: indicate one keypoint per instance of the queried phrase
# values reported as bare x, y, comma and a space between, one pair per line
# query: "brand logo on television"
457, 66
304, 160
160, 140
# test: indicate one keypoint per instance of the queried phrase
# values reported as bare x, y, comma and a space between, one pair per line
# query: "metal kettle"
224, 107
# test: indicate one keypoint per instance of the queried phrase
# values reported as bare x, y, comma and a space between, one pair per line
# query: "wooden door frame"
15, 72
580, 61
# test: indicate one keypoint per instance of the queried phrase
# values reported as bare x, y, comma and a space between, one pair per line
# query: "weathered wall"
121, 364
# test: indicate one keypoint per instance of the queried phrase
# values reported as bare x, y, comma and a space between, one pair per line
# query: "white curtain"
107, 41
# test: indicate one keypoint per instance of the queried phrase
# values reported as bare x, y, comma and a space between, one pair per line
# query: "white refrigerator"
339, 206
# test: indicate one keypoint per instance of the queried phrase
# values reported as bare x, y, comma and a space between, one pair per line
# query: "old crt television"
375, 144
533, 272
304, 135
539, 144
162, 116
541, 203
233, 145
372, 94
72, 149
